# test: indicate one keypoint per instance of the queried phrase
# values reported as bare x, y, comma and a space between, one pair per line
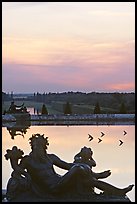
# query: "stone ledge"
29, 197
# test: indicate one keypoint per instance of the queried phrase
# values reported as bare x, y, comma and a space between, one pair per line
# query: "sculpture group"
16, 108
34, 178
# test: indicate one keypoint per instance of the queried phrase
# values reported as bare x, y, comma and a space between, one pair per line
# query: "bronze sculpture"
34, 177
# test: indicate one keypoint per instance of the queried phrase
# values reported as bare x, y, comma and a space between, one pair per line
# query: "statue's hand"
105, 174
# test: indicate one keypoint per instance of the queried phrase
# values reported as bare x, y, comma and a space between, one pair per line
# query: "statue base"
31, 197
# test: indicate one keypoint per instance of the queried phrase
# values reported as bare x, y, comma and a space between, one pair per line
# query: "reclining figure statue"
34, 178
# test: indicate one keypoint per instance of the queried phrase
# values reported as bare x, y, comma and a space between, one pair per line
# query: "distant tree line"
101, 102
67, 109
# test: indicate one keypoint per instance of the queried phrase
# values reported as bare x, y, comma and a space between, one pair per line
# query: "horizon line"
11, 92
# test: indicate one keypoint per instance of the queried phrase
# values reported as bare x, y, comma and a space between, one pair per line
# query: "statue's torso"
42, 171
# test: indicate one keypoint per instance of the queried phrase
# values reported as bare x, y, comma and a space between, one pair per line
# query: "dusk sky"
68, 46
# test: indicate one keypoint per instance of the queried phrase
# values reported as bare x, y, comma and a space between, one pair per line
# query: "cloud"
62, 45
68, 77
57, 51
20, 5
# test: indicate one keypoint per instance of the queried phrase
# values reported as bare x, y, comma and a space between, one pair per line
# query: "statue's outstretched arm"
60, 163
101, 175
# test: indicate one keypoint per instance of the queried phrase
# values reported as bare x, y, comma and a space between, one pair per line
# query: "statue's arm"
101, 175
60, 163
23, 162
23, 165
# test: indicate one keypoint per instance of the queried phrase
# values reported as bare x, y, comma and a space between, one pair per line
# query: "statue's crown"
40, 139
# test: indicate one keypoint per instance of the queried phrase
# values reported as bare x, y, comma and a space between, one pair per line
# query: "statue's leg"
76, 176
110, 189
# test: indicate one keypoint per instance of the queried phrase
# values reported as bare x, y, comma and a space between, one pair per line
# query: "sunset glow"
63, 46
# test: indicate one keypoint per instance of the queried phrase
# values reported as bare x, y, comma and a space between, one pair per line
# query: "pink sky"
68, 46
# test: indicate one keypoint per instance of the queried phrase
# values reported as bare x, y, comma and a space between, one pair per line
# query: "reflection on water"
66, 141
18, 129
34, 111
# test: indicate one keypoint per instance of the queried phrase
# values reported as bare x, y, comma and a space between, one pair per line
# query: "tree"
123, 109
67, 108
97, 109
44, 109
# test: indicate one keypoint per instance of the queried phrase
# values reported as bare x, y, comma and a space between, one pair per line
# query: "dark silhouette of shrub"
44, 109
67, 108
97, 109
123, 109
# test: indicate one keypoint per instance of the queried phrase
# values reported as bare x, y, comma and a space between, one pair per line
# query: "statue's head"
38, 141
86, 152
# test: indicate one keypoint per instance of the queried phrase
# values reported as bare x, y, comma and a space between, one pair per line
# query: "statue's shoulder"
53, 157
26, 158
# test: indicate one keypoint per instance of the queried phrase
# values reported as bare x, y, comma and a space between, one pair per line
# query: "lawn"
57, 107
